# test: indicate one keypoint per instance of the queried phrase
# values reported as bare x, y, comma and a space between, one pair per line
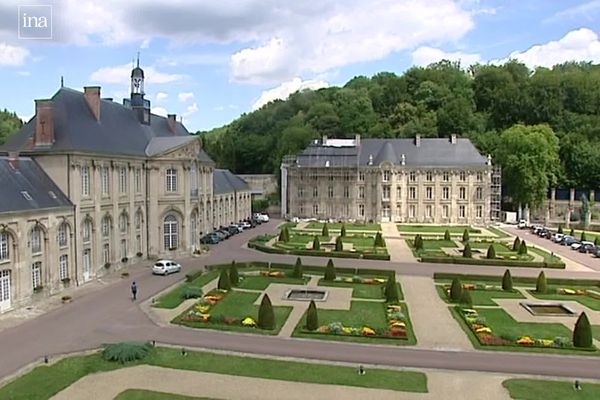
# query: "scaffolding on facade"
496, 194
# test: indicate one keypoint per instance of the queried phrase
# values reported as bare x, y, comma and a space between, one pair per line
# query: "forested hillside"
9, 124
481, 102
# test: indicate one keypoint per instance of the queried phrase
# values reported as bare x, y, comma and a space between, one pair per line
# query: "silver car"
165, 267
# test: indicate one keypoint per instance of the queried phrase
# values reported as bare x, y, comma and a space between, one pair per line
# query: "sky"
210, 61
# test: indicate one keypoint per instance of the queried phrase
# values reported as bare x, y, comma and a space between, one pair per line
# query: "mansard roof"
224, 181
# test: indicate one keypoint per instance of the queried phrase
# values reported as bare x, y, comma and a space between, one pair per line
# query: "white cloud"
12, 55
160, 96
585, 10
192, 109
285, 89
185, 96
145, 44
160, 111
24, 73
577, 45
25, 118
424, 56
122, 73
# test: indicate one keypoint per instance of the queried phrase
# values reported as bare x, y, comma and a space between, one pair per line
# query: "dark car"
225, 232
587, 247
210, 239
568, 240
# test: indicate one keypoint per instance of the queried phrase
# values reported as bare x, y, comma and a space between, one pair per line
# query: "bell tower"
137, 102
137, 79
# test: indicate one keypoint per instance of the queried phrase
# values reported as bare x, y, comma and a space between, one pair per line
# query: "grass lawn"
499, 233
590, 236
532, 389
587, 301
503, 323
349, 227
549, 258
454, 230
135, 394
238, 305
362, 290
596, 331
484, 297
45, 381
498, 247
174, 297
262, 282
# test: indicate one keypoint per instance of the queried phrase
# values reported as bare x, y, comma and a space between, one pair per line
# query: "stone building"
420, 180
136, 185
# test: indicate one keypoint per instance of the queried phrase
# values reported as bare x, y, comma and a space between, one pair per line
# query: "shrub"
561, 341
522, 248
284, 235
329, 271
298, 273
516, 244
266, 317
541, 285
316, 244
465, 298
491, 253
560, 229
465, 237
391, 290
325, 231
467, 251
583, 238
339, 245
126, 351
456, 290
447, 235
224, 282
193, 275
596, 241
582, 334
234, 276
572, 232
507, 282
379, 240
343, 231
312, 319
192, 292
418, 242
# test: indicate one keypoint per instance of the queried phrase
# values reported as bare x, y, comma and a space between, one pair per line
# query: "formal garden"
506, 313
432, 231
465, 249
342, 240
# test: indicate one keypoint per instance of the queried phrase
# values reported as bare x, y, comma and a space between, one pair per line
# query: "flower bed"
360, 279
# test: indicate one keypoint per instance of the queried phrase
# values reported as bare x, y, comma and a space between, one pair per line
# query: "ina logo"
35, 21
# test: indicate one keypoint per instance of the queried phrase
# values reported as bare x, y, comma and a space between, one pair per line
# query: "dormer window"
26, 195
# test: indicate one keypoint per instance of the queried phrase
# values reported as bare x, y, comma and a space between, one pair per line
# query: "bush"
465, 298
541, 285
583, 238
456, 290
234, 276
266, 317
298, 273
224, 282
491, 253
379, 240
329, 271
467, 251
193, 275
522, 248
368, 256
126, 351
284, 235
316, 244
325, 231
192, 292
516, 244
582, 334
447, 235
343, 230
465, 237
507, 282
418, 242
339, 245
391, 290
312, 319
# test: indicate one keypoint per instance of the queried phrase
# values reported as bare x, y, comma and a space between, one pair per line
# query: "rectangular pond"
306, 294
550, 309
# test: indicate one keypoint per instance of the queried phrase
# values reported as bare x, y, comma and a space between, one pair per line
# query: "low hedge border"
317, 253
485, 261
516, 279
307, 268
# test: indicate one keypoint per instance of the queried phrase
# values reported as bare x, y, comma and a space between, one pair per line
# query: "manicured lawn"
587, 301
549, 258
589, 235
349, 227
596, 331
484, 297
532, 389
499, 233
454, 230
44, 381
438, 244
262, 282
135, 394
498, 247
503, 324
174, 297
361, 290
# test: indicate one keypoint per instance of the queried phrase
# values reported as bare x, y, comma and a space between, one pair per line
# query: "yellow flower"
485, 329
248, 322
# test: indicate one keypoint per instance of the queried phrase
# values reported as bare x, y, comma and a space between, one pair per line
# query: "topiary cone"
224, 282
391, 291
234, 276
582, 333
516, 244
312, 319
329, 271
541, 285
298, 270
491, 253
266, 317
507, 283
456, 290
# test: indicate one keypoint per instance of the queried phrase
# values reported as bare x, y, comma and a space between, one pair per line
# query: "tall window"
429, 211
330, 191
138, 180
106, 253
429, 176
361, 192
36, 274
123, 223
398, 210
315, 209
300, 192
412, 193
398, 192
463, 176
479, 211
462, 193
412, 176
385, 212
122, 180
105, 180
480, 177
429, 192
63, 267
138, 243
386, 193
446, 176
479, 193
138, 220
105, 227
194, 181
36, 240
412, 211
123, 248
170, 232
361, 176
4, 252
171, 180
315, 192
62, 235
346, 191
85, 181
193, 229
361, 210
386, 176
445, 210
86, 230
445, 193
461, 211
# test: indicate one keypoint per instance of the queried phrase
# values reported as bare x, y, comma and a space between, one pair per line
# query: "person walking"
134, 291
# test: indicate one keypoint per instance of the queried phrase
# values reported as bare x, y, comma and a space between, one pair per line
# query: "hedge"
516, 279
266, 249
341, 270
385, 257
316, 253
484, 261
193, 275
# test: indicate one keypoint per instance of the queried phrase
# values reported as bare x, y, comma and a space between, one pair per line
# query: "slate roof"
117, 132
224, 181
431, 152
24, 174
159, 145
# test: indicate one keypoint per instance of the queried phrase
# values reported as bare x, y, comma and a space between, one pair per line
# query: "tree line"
9, 124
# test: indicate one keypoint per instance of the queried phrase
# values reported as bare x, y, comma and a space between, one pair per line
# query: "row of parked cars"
566, 240
225, 232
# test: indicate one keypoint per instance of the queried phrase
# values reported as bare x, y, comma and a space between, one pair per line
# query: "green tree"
325, 230
298, 270
491, 252
447, 235
467, 253
10, 123
391, 291
507, 282
343, 230
596, 241
583, 238
541, 285
516, 244
316, 244
266, 316
379, 240
234, 276
284, 235
522, 248
312, 318
560, 229
224, 282
582, 333
465, 237
456, 290
339, 245
329, 271
572, 232
465, 298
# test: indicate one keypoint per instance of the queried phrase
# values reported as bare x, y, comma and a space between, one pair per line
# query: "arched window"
86, 230
138, 220
123, 222
36, 240
105, 226
193, 228
63, 235
170, 232
63, 267
4, 247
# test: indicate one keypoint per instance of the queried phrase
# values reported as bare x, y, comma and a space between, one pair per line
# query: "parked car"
246, 225
235, 228
263, 217
575, 245
587, 247
225, 232
220, 234
210, 239
165, 267
598, 251
557, 237
568, 240
522, 224
536, 229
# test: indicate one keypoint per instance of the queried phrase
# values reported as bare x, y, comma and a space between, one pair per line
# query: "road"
109, 315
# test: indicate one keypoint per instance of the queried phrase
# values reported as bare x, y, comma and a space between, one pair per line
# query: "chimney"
324, 140
357, 140
92, 96
172, 121
13, 155
418, 140
44, 123
453, 139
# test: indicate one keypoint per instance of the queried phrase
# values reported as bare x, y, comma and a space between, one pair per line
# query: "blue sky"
210, 61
